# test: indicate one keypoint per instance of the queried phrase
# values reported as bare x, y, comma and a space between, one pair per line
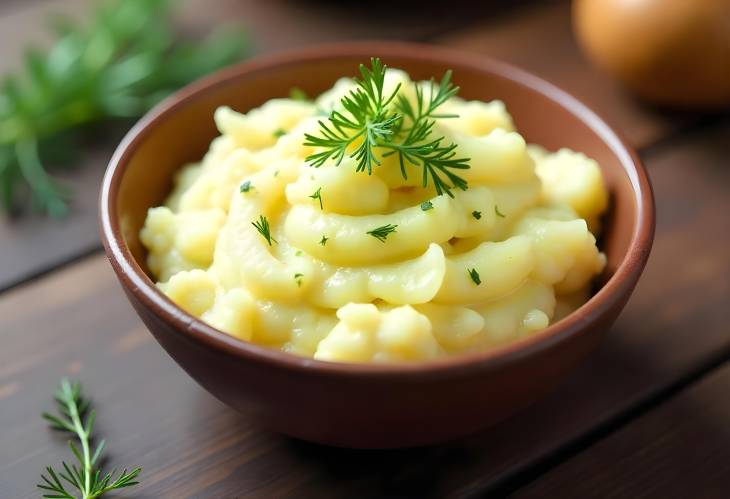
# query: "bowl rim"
134, 280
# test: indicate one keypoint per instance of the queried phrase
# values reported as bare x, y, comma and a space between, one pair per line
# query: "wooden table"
648, 415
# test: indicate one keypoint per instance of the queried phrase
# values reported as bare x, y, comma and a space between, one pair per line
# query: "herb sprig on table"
124, 61
372, 120
75, 417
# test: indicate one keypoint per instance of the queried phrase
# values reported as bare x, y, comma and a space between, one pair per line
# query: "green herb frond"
262, 225
85, 476
118, 65
369, 122
381, 233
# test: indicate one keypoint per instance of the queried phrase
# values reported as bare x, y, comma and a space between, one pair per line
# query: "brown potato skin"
674, 53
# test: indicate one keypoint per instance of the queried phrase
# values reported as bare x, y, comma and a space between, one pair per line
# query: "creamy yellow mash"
496, 263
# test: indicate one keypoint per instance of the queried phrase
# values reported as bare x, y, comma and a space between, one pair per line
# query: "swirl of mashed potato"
495, 263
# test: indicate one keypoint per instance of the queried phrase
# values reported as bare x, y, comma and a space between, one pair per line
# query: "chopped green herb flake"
298, 253
499, 213
427, 205
381, 233
262, 225
297, 93
324, 240
475, 276
318, 195
298, 278
476, 214
246, 186
278, 133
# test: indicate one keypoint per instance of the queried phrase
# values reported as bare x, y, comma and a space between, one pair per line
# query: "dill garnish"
262, 225
371, 120
381, 233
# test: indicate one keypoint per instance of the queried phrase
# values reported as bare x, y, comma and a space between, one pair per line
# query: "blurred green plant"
123, 62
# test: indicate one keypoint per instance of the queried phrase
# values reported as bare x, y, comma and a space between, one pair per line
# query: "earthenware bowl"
371, 406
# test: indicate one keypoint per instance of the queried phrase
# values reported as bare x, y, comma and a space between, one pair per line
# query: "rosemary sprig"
381, 233
124, 61
262, 225
74, 416
372, 120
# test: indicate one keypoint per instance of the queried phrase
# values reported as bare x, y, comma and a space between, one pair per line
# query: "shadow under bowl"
367, 405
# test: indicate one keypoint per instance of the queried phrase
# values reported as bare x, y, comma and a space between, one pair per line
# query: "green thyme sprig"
372, 120
75, 417
126, 59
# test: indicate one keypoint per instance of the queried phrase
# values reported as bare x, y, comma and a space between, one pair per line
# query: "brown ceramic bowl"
365, 405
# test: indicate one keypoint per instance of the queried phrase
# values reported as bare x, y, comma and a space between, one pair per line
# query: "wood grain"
33, 244
681, 449
540, 40
77, 322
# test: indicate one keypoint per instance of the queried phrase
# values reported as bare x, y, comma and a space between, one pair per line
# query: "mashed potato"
495, 263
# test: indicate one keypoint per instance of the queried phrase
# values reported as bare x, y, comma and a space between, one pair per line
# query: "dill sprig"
126, 59
381, 233
86, 477
372, 120
262, 225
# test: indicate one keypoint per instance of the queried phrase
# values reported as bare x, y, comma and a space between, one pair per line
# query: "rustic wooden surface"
680, 450
646, 411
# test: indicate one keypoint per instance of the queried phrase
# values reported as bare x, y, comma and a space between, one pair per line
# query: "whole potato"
670, 52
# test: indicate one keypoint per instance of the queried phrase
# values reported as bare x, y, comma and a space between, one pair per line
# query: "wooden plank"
679, 450
34, 244
540, 40
77, 321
